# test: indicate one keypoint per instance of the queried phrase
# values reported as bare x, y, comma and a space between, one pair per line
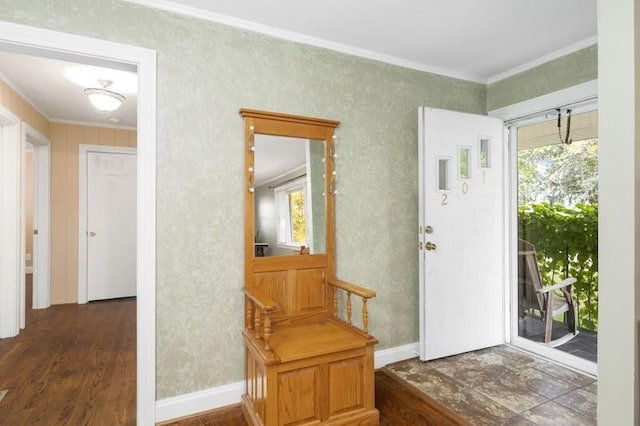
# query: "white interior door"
462, 232
111, 225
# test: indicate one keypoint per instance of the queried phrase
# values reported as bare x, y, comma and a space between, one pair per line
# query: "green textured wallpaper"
567, 71
206, 72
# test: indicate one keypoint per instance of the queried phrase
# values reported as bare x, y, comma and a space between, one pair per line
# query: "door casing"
73, 47
584, 97
10, 221
41, 218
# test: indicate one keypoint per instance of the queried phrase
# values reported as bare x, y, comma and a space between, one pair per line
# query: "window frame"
283, 210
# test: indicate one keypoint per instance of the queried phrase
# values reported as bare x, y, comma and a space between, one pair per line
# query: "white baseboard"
222, 396
197, 402
395, 354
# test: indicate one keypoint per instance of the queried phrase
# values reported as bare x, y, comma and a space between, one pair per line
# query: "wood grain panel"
345, 385
274, 285
310, 289
288, 125
255, 384
133, 139
58, 219
23, 109
121, 137
281, 263
91, 135
298, 396
75, 136
10, 99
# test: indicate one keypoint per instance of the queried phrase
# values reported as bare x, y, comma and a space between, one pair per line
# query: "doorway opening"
36, 41
555, 252
36, 207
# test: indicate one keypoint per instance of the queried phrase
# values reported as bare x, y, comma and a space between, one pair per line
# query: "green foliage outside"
558, 213
559, 174
298, 220
566, 241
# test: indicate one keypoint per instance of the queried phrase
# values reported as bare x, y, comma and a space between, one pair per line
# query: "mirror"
290, 187
289, 195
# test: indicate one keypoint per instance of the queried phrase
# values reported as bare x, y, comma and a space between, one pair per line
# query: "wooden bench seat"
305, 341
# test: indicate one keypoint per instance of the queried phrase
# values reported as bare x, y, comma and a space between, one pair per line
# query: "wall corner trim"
229, 394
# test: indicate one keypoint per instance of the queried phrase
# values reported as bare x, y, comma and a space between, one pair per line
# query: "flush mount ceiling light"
104, 100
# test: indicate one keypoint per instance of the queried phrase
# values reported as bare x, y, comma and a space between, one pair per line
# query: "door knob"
92, 234
430, 246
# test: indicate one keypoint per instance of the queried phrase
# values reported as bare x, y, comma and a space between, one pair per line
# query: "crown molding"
91, 124
195, 12
544, 59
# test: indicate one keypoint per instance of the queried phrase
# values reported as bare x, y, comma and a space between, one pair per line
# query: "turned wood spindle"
250, 308
257, 324
335, 302
365, 315
267, 332
349, 307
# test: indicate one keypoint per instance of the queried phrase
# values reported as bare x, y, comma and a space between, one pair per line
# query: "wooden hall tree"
306, 362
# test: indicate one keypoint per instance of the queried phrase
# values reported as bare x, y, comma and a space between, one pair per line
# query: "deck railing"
566, 241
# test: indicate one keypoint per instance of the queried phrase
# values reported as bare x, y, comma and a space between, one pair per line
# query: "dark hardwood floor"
399, 404
72, 364
76, 365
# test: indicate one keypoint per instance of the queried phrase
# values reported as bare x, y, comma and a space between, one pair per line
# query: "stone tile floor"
504, 386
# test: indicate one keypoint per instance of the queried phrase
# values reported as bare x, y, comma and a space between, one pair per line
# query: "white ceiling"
56, 88
477, 40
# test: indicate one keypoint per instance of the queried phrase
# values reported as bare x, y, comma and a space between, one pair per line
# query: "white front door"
111, 225
462, 232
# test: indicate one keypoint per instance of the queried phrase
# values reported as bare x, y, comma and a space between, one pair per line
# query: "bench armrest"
352, 288
261, 300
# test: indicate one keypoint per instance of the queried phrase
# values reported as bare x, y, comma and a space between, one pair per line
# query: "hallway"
72, 364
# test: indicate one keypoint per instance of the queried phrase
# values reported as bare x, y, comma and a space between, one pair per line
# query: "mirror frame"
278, 124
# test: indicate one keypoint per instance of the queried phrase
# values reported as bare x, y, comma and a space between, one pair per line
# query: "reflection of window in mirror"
289, 174
292, 213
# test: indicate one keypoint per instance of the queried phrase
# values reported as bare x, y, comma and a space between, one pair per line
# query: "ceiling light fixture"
104, 100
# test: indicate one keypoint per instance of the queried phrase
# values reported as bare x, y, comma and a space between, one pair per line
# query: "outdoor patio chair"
550, 300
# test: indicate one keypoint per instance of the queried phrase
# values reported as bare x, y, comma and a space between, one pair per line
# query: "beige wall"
65, 141
20, 107
16, 104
